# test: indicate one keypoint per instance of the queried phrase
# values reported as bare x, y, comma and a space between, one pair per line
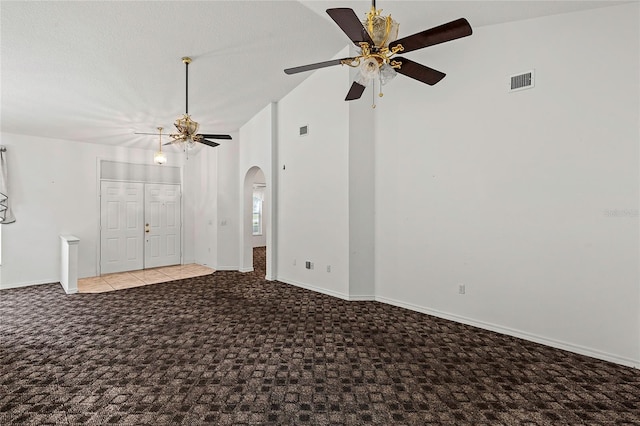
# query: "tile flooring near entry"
122, 280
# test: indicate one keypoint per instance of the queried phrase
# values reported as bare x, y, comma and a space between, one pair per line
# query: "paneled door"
121, 226
139, 226
162, 225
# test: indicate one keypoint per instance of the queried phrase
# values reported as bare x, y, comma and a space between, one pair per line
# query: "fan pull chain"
373, 94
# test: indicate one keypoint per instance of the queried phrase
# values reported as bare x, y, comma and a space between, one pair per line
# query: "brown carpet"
231, 348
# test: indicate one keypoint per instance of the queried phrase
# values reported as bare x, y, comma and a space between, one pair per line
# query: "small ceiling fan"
378, 43
187, 128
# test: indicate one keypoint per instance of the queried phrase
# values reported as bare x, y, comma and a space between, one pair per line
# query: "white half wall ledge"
581, 350
69, 263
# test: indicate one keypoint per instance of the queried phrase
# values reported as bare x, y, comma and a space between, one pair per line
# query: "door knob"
146, 228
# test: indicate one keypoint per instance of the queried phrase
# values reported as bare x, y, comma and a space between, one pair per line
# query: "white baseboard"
244, 270
29, 283
226, 268
362, 298
314, 288
593, 353
351, 298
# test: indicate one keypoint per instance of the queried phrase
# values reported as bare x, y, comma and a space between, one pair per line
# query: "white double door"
139, 226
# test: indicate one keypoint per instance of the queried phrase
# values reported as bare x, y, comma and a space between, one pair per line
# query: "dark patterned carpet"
231, 348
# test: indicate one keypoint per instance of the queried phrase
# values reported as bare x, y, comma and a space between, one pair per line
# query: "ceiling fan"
187, 128
377, 60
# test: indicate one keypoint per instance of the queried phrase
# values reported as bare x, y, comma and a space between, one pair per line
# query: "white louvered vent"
304, 130
522, 81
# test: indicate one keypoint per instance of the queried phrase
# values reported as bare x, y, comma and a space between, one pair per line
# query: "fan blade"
445, 32
140, 133
418, 71
355, 91
348, 22
215, 136
310, 67
209, 143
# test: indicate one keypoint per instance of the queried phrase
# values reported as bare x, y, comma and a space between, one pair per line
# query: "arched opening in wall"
255, 222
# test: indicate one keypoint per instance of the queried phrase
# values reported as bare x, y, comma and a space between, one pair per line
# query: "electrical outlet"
328, 268
461, 289
307, 264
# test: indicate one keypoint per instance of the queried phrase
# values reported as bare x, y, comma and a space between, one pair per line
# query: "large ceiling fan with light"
187, 135
376, 37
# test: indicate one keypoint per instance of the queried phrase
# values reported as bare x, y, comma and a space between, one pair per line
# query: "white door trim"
168, 176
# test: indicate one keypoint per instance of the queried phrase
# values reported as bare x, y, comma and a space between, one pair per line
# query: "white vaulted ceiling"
98, 71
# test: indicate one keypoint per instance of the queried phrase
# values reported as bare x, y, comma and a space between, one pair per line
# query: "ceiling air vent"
522, 81
304, 130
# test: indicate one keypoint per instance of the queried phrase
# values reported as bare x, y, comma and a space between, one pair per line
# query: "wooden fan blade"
315, 66
209, 143
215, 136
419, 71
445, 32
348, 22
355, 91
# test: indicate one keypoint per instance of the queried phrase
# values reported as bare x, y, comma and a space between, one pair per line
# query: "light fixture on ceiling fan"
187, 135
159, 157
376, 38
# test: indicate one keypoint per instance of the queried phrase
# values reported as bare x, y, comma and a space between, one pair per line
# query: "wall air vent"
522, 81
304, 130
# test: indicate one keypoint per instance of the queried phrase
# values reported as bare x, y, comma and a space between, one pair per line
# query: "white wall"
203, 178
190, 210
362, 196
256, 152
54, 190
212, 184
228, 202
510, 194
313, 190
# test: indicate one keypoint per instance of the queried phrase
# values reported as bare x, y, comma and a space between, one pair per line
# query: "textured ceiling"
98, 71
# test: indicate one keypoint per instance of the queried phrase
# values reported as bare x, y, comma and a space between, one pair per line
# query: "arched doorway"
255, 223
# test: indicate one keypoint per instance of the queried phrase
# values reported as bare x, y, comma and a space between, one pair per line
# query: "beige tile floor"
122, 280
